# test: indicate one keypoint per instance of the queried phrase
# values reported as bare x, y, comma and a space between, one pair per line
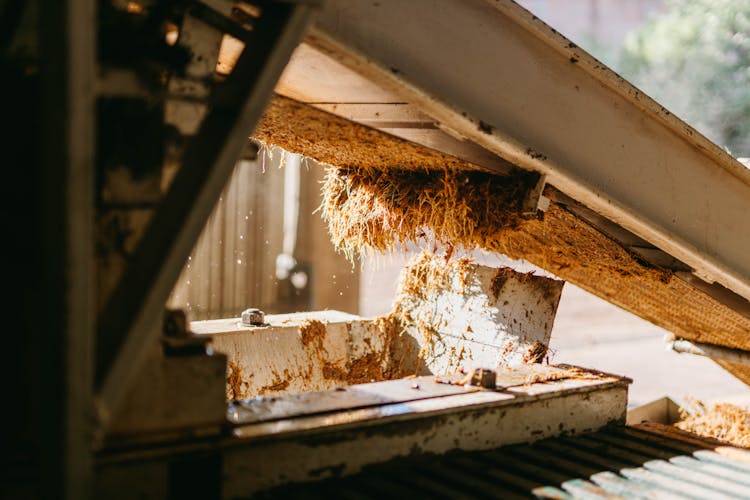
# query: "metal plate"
344, 398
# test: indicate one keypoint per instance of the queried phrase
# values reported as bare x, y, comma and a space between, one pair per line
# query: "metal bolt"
484, 377
253, 317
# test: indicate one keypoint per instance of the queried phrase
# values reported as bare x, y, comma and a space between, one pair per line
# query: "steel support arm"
129, 324
494, 73
710, 351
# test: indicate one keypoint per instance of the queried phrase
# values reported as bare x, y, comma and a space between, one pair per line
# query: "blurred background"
266, 246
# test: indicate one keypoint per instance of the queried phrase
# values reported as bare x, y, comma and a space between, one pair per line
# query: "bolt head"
253, 317
484, 377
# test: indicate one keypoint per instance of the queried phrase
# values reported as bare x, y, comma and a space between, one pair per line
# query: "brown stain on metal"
508, 349
485, 128
278, 384
535, 154
372, 367
237, 387
548, 286
312, 332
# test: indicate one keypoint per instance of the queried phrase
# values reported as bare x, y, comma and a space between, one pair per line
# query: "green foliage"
695, 60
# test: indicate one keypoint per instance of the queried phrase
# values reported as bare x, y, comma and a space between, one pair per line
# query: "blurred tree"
695, 60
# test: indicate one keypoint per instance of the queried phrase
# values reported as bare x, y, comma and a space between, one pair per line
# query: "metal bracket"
535, 200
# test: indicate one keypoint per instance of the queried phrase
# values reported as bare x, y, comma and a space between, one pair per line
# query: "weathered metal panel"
308, 447
521, 471
481, 317
702, 478
298, 352
312, 351
172, 396
345, 398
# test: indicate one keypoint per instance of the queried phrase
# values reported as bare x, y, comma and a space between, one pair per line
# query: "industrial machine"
146, 108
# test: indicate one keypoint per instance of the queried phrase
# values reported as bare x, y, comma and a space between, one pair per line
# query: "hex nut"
253, 317
484, 377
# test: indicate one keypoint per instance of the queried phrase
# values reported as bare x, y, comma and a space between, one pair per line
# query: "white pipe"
291, 201
710, 351
285, 261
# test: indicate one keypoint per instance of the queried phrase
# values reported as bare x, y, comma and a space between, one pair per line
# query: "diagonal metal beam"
500, 77
129, 323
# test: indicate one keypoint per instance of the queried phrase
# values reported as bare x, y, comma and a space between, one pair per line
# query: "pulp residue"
723, 421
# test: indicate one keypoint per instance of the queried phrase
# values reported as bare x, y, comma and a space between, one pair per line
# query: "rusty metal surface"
278, 451
344, 398
297, 352
273, 451
481, 317
615, 462
520, 384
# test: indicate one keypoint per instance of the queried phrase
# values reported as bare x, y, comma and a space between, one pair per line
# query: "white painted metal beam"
710, 351
287, 356
495, 74
273, 450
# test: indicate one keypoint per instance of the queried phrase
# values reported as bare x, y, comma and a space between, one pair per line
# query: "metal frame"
495, 74
65, 271
129, 323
